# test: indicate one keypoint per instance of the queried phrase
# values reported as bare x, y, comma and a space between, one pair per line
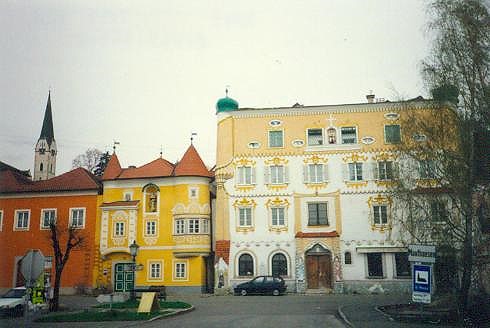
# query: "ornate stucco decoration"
277, 202
192, 239
315, 159
245, 202
354, 158
150, 240
117, 217
244, 162
380, 200
193, 208
276, 161
385, 156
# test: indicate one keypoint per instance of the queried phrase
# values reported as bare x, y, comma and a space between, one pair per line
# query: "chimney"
370, 97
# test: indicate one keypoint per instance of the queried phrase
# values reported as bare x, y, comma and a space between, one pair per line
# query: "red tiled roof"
77, 179
316, 234
121, 203
113, 168
191, 164
157, 168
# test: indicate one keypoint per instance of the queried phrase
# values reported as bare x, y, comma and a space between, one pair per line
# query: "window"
118, 229
277, 216
245, 265
193, 192
193, 226
317, 214
392, 134
48, 216
276, 139
246, 175
348, 135
205, 226
151, 228
22, 219
77, 217
315, 173
438, 211
402, 265
128, 196
277, 174
375, 265
180, 226
315, 137
380, 213
427, 169
245, 214
155, 271
347, 258
385, 170
355, 171
180, 270
279, 265
41, 167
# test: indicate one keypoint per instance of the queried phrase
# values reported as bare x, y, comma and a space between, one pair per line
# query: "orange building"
26, 208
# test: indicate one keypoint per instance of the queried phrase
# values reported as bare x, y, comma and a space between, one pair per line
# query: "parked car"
12, 303
262, 285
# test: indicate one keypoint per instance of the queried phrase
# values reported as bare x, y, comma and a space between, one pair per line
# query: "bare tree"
88, 160
438, 178
72, 238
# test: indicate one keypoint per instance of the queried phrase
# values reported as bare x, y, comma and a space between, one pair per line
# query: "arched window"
151, 198
347, 258
279, 265
41, 167
245, 265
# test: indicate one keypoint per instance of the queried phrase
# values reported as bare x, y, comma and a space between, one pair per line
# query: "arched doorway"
318, 267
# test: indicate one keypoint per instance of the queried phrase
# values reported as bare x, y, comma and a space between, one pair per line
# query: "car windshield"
15, 293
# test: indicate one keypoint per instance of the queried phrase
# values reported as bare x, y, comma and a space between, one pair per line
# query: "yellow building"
165, 209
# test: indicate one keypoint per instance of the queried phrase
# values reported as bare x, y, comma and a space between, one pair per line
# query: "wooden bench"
160, 290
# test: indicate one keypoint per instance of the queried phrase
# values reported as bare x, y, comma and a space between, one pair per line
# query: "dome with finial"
226, 104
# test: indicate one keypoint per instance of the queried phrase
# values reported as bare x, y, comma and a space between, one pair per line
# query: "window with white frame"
204, 226
279, 265
193, 192
355, 171
315, 137
48, 216
180, 226
317, 214
380, 214
22, 219
316, 173
155, 271
375, 265
245, 175
180, 270
118, 229
427, 169
277, 174
151, 228
276, 138
385, 170
348, 135
278, 216
245, 216
77, 217
193, 225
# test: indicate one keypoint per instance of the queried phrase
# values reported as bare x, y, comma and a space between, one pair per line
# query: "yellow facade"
146, 211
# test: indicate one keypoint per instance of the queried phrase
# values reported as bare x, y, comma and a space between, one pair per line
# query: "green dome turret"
226, 104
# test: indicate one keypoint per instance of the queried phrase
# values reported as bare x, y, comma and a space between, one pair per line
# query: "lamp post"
133, 250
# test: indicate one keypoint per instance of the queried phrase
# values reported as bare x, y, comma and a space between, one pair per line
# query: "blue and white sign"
421, 283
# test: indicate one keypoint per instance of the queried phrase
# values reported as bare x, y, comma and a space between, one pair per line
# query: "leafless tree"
88, 160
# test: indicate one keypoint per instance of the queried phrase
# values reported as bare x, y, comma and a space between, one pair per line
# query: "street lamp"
133, 250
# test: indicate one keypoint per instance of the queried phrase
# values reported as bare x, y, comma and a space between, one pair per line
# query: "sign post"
422, 258
31, 267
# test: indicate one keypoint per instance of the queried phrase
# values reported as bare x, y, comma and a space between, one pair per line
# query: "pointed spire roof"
47, 131
191, 164
113, 168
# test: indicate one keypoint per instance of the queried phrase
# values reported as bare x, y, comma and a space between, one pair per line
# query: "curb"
344, 317
192, 308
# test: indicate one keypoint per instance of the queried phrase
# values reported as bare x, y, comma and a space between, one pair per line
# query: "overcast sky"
148, 73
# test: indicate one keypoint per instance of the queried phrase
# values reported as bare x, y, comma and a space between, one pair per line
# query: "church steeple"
46, 151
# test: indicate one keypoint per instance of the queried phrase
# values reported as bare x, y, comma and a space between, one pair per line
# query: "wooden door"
312, 271
324, 271
123, 278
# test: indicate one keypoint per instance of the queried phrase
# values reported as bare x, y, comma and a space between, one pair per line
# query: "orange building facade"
26, 208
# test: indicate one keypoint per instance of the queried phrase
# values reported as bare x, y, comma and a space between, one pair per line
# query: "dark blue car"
262, 285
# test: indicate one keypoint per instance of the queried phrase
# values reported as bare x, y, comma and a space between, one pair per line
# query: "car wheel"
275, 292
243, 292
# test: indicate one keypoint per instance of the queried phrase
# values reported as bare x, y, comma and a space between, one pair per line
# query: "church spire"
47, 131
